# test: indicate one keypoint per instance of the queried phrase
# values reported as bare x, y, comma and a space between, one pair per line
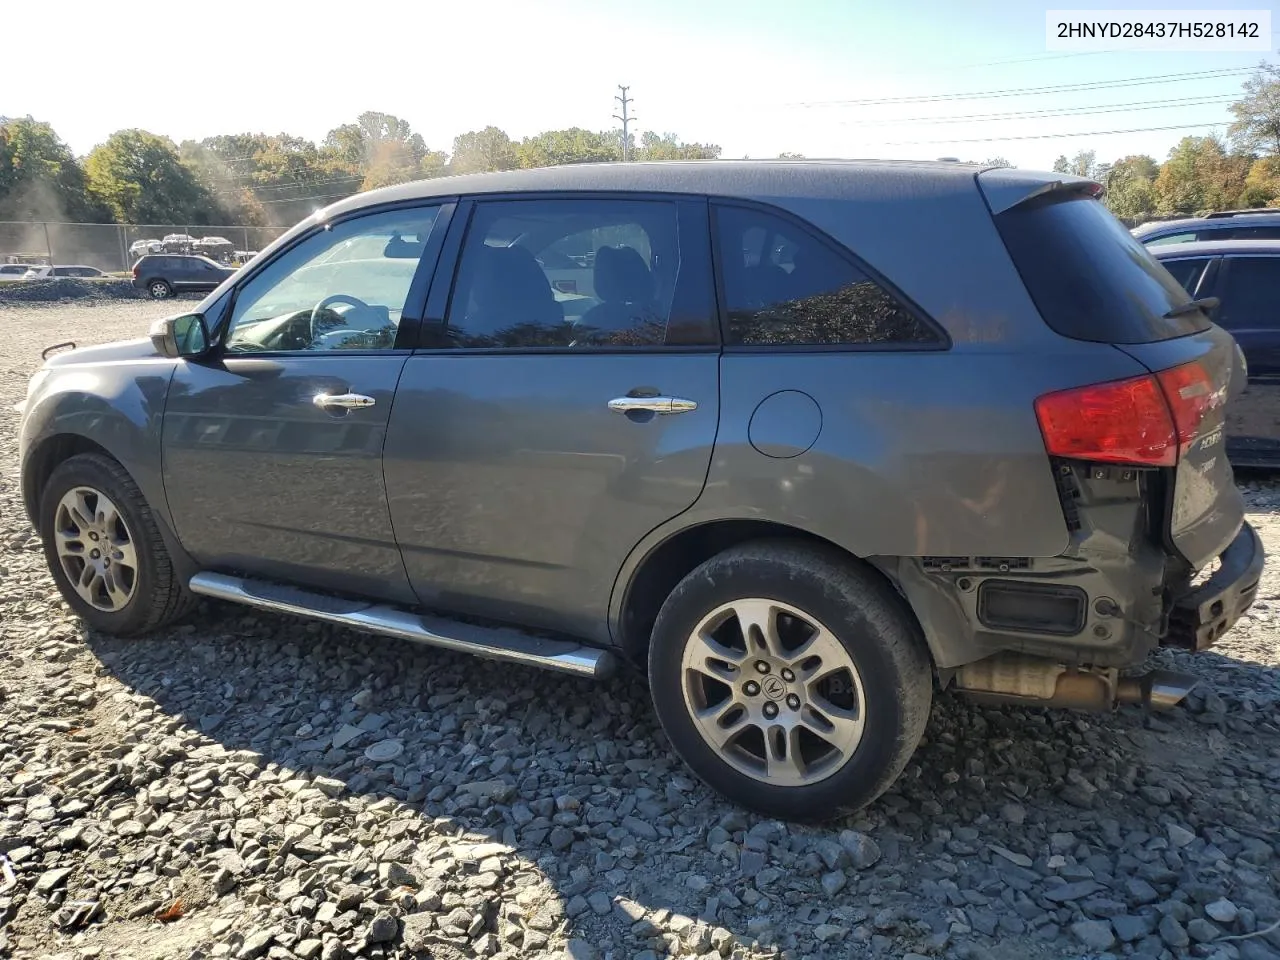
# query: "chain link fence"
115, 247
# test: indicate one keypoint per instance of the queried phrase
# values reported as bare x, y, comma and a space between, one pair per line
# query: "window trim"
407, 332
692, 225
715, 203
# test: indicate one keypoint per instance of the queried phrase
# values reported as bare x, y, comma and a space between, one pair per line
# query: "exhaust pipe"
1034, 681
1159, 690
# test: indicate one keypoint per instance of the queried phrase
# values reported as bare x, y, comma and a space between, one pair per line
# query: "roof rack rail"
1231, 213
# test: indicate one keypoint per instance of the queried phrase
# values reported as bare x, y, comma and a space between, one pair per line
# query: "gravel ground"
254, 786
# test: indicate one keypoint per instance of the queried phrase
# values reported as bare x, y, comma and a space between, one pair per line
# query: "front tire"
790, 680
159, 289
105, 551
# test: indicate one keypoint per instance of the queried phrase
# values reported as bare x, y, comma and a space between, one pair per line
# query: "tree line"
136, 176
257, 179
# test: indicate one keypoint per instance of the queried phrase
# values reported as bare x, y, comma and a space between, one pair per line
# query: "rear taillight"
1191, 396
135, 271
1146, 421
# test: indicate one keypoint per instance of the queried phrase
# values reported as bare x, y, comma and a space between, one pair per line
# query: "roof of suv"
1215, 248
731, 178
1221, 221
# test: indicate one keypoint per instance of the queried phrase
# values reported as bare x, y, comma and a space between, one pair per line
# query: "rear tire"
105, 551
159, 289
791, 680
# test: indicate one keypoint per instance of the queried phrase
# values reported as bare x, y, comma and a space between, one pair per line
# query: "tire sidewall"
85, 472
872, 767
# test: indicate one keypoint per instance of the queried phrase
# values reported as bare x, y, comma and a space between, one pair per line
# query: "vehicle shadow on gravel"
1008, 829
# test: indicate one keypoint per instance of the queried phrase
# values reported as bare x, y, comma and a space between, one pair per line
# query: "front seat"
508, 290
625, 288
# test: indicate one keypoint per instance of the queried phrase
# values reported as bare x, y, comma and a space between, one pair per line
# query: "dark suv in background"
163, 275
740, 424
1243, 277
1255, 224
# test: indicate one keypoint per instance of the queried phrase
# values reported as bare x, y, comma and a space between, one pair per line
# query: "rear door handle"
662, 405
348, 401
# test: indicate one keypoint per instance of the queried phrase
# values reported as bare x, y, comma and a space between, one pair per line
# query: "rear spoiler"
1005, 187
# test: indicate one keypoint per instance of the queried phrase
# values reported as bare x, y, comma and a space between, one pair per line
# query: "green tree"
1257, 124
235, 200
573, 145
1262, 183
1130, 184
1062, 164
141, 179
997, 162
480, 151
669, 147
1200, 175
39, 177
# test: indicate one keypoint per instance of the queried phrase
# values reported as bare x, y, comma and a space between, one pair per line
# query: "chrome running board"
495, 643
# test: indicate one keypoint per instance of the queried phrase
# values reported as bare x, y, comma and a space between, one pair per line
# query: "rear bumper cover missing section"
1199, 617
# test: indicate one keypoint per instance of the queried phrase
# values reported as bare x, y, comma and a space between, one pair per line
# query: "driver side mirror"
184, 336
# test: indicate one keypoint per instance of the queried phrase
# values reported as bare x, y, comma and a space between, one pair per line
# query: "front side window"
783, 286
566, 273
342, 288
1250, 293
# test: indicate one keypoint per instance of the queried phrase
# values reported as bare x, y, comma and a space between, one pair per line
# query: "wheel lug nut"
93, 554
751, 688
762, 667
93, 536
793, 701
787, 675
770, 710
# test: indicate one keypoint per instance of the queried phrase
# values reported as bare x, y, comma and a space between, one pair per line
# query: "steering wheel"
333, 298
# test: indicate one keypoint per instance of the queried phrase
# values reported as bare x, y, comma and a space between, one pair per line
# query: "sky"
757, 78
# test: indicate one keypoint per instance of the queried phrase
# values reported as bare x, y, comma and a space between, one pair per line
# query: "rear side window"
783, 286
1187, 272
1252, 233
1088, 276
1250, 293
1172, 238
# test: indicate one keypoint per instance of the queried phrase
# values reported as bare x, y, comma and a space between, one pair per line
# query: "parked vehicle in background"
1256, 224
1244, 277
178, 243
215, 248
75, 270
13, 271
774, 450
140, 248
164, 275
243, 256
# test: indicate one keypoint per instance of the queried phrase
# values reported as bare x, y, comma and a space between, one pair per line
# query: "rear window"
1090, 279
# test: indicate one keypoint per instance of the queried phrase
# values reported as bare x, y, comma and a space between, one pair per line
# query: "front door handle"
662, 405
347, 401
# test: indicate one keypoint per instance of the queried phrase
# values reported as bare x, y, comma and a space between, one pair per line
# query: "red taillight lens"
135, 271
1124, 421
1191, 397
1146, 421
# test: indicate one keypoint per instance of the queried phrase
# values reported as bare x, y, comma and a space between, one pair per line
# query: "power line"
1032, 91
1052, 136
328, 196
1053, 112
626, 119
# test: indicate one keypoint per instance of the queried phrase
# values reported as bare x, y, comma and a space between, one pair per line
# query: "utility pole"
626, 119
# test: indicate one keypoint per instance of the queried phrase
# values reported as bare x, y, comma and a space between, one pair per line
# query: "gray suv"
803, 441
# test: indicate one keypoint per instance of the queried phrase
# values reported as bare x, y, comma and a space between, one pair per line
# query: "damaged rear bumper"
1199, 617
